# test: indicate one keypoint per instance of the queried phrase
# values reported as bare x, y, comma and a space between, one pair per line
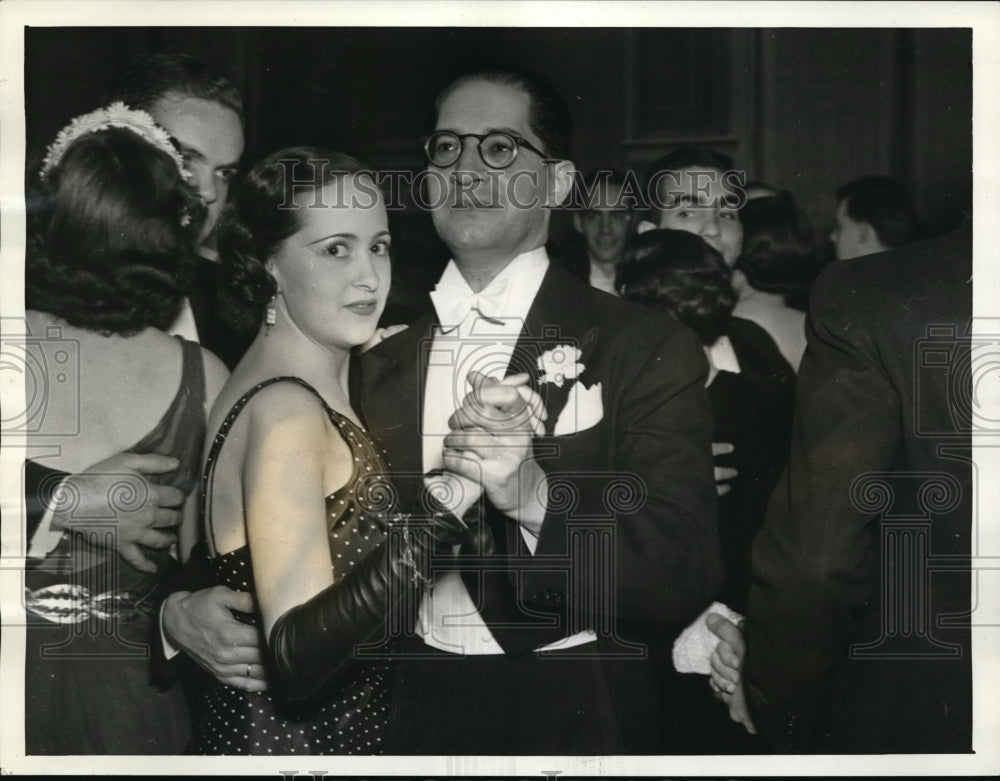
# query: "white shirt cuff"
45, 539
529, 539
169, 650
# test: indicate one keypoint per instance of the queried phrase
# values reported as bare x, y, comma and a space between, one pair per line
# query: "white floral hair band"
115, 115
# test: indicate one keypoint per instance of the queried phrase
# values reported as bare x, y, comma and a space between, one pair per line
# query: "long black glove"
313, 644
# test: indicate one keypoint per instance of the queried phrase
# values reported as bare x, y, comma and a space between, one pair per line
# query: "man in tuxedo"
858, 622
529, 642
203, 112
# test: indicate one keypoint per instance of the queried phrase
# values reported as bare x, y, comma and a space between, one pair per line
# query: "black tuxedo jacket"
214, 330
636, 488
861, 571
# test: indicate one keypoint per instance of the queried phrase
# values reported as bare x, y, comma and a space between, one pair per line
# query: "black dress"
753, 412
91, 617
347, 720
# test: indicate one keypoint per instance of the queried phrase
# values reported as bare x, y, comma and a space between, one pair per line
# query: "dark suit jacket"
856, 625
215, 333
644, 470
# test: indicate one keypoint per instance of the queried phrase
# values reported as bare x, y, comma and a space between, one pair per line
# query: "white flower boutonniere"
560, 364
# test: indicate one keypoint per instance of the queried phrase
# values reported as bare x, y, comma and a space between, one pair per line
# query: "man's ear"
562, 176
865, 233
577, 222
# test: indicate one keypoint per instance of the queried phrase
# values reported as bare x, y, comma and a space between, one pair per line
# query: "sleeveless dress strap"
193, 368
220, 438
180, 431
187, 405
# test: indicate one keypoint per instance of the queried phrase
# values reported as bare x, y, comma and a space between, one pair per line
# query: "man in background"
874, 214
605, 220
856, 641
698, 191
203, 112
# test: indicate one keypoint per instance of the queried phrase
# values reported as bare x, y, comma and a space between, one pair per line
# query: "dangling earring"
270, 316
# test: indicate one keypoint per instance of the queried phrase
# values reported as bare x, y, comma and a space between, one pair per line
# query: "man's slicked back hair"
150, 77
548, 115
885, 205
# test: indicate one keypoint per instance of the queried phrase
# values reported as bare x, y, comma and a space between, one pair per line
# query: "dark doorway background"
803, 109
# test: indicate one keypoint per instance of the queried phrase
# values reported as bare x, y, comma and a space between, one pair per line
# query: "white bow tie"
453, 303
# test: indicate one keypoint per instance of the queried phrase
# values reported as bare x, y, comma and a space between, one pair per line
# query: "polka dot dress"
351, 718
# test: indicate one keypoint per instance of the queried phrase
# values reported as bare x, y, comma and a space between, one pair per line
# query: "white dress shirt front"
477, 332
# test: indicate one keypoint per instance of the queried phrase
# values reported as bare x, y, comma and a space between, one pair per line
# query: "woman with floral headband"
112, 229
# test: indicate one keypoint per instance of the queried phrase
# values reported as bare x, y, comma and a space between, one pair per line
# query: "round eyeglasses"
497, 150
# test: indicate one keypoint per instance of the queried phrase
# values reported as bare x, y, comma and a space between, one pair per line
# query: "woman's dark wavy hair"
678, 273
778, 253
262, 216
107, 250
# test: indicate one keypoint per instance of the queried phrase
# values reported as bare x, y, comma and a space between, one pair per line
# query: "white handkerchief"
584, 408
694, 646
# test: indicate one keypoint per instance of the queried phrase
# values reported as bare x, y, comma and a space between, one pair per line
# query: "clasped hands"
490, 444
727, 662
488, 449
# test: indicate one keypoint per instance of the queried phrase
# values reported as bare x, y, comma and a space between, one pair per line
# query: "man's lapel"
390, 393
556, 319
391, 375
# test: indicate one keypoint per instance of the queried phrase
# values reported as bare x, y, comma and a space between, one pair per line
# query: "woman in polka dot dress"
297, 507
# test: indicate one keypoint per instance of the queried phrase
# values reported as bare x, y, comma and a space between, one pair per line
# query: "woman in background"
112, 231
750, 387
775, 268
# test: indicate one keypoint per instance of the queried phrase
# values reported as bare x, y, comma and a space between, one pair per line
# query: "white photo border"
983, 18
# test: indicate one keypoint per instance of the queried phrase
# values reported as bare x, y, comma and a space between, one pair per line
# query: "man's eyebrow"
684, 199
194, 154
508, 130
190, 151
